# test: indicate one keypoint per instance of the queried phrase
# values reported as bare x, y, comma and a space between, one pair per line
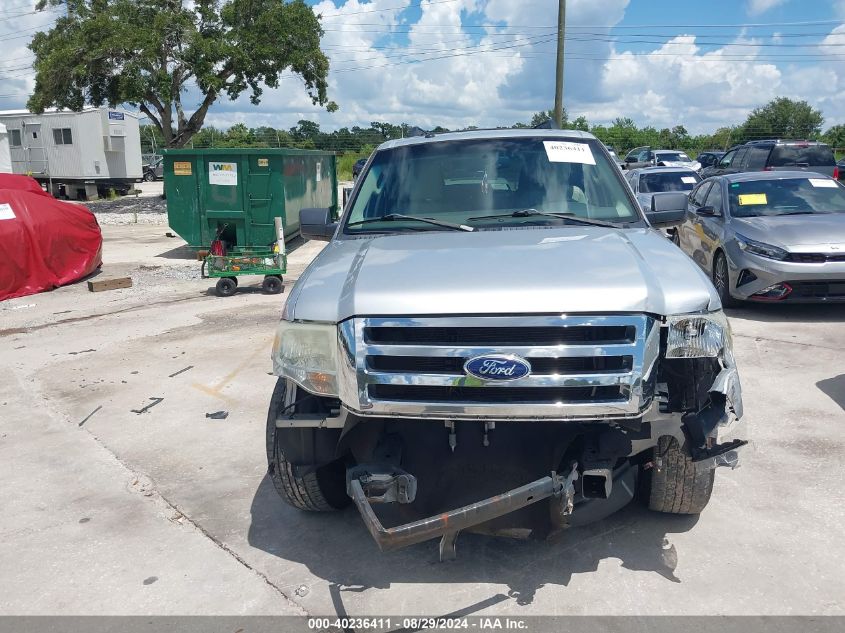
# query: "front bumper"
811, 283
712, 435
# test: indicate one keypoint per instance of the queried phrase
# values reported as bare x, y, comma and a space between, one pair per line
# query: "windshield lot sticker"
6, 212
746, 199
225, 174
563, 152
823, 182
688, 180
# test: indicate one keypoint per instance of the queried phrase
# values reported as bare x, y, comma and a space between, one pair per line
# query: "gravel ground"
130, 210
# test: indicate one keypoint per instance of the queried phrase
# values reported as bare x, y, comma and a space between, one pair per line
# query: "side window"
633, 153
699, 194
632, 177
726, 159
757, 157
714, 198
739, 158
63, 136
14, 138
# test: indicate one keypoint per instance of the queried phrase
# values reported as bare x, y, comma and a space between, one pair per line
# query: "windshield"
470, 181
678, 157
796, 155
668, 181
790, 196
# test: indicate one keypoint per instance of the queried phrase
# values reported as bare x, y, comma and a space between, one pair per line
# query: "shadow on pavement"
181, 252
789, 313
337, 548
835, 388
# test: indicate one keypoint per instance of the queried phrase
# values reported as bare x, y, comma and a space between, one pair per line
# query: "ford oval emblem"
497, 367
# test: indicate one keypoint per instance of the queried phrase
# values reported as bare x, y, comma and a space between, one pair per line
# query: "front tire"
677, 485
149, 177
314, 488
722, 281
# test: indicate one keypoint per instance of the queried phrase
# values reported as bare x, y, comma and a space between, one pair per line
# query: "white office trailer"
5, 156
77, 154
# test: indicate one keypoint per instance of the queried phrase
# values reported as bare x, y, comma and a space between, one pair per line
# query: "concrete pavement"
218, 540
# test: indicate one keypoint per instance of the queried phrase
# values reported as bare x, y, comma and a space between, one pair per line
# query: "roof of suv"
486, 134
662, 170
780, 141
749, 176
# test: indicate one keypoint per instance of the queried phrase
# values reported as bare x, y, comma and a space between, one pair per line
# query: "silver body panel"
586, 270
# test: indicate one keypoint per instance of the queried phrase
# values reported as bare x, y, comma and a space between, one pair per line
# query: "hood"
821, 230
539, 271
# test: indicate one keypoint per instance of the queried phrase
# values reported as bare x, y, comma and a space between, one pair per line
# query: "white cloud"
756, 7
17, 79
472, 79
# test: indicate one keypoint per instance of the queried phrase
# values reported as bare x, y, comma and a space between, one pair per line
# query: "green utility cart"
230, 199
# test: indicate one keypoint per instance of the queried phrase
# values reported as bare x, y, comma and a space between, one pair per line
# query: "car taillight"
836, 173
768, 168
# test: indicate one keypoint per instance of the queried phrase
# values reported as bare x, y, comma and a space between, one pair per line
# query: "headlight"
699, 336
761, 249
307, 354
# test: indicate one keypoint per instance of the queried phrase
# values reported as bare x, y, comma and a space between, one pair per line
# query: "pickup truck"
496, 338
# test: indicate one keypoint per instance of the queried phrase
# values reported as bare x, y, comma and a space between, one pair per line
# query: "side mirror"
316, 224
707, 211
667, 209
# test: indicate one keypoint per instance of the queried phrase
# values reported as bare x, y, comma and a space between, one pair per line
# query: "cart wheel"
272, 284
226, 286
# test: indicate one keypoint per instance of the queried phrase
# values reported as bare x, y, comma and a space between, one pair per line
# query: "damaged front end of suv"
655, 406
441, 393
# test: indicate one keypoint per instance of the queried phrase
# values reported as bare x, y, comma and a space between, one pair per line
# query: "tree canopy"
782, 118
153, 54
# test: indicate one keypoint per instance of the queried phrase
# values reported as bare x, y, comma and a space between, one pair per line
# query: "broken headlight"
307, 354
698, 335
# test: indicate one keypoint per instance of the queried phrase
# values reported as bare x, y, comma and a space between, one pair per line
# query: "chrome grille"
583, 367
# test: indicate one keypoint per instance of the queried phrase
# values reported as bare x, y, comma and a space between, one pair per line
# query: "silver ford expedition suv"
497, 339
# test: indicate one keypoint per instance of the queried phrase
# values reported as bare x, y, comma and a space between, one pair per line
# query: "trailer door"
35, 152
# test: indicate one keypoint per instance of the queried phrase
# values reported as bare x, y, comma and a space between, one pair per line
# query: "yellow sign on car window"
752, 198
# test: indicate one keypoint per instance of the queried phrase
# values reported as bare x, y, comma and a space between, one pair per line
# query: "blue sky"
491, 62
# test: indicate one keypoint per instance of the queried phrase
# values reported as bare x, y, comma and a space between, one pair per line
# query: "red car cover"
44, 242
22, 183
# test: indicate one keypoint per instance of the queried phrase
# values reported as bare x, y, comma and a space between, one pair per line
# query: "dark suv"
776, 155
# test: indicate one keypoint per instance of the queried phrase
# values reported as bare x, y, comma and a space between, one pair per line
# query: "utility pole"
561, 30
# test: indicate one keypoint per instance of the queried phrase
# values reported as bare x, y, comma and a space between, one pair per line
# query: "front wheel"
319, 486
676, 484
722, 281
149, 176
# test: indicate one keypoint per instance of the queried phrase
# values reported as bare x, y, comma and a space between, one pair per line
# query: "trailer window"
14, 138
63, 136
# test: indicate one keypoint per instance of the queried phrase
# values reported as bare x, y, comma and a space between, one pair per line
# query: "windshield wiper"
527, 213
398, 216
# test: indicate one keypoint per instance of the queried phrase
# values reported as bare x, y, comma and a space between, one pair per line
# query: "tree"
835, 137
547, 115
580, 123
782, 118
150, 53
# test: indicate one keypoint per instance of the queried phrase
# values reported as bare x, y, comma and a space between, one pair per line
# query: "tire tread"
304, 492
680, 486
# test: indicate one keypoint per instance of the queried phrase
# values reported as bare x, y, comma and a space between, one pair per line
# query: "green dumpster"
233, 195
